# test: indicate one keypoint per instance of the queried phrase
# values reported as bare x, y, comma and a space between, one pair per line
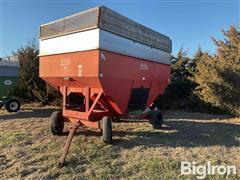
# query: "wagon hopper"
8, 79
105, 65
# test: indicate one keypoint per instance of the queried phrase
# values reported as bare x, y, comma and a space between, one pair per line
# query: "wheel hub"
13, 106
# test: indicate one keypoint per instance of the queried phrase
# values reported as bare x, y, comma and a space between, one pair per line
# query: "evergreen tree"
219, 76
31, 86
178, 93
180, 66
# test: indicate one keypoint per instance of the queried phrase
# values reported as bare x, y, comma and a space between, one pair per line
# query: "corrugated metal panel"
80, 41
109, 20
78, 22
8, 71
115, 43
101, 39
9, 63
9, 59
116, 23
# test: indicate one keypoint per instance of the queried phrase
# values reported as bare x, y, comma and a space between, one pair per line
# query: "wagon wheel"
116, 119
156, 119
1, 105
12, 105
57, 123
107, 129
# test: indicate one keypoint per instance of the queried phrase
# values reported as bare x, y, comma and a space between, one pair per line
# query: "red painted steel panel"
121, 73
114, 73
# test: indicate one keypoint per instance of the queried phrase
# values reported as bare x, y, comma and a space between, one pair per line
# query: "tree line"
204, 82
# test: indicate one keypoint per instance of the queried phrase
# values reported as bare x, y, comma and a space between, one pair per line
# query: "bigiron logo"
202, 171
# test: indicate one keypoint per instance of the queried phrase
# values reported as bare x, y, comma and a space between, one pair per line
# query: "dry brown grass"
29, 151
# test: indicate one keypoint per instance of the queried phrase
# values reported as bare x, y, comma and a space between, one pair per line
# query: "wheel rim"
13, 106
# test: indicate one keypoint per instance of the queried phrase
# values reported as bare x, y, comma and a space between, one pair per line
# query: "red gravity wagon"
106, 66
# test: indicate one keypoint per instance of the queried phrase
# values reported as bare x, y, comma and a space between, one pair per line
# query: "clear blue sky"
189, 23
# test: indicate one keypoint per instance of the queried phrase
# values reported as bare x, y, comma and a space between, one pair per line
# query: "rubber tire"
156, 119
116, 119
8, 107
1, 105
57, 123
107, 129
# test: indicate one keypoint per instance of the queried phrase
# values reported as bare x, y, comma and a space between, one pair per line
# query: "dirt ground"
29, 151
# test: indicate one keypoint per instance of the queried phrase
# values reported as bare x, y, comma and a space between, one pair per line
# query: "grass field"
29, 151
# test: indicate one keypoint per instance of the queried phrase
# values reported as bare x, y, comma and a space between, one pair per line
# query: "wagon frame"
91, 51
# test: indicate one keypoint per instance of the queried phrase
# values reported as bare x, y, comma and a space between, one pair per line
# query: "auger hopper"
106, 66
8, 79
